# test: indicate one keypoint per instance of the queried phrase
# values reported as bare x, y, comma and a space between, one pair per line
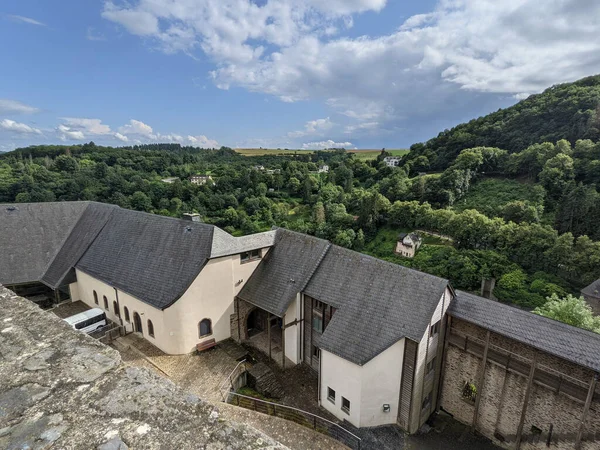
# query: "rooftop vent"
193, 217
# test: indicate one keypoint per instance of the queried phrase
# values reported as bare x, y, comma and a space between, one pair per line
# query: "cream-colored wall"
210, 296
88, 284
367, 387
74, 291
381, 379
176, 330
292, 333
344, 378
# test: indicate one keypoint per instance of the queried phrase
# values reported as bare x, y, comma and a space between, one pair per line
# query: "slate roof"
378, 303
284, 272
150, 257
224, 244
87, 228
31, 234
559, 339
593, 290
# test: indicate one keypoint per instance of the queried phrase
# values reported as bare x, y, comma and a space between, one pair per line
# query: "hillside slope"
566, 111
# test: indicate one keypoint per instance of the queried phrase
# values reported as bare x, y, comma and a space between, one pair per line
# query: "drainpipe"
118, 306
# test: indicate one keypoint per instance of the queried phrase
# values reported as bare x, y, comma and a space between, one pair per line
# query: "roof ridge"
59, 248
317, 265
113, 208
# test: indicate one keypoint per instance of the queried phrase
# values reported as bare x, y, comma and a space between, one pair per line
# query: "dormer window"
252, 255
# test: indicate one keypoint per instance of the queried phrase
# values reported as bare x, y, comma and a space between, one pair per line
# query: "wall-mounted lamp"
386, 407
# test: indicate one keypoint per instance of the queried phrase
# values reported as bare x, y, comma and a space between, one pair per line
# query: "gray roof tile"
559, 339
378, 303
593, 290
151, 257
284, 272
224, 244
31, 234
86, 229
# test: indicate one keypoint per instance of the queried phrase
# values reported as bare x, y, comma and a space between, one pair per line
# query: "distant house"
200, 179
324, 169
392, 161
591, 294
408, 244
170, 180
273, 171
259, 167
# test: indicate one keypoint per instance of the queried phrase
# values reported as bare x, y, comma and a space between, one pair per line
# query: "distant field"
364, 154
268, 151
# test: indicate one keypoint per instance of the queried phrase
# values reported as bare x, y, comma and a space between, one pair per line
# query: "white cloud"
67, 134
144, 133
88, 126
462, 48
121, 137
313, 127
326, 144
24, 19
138, 22
202, 141
92, 35
17, 127
137, 127
14, 107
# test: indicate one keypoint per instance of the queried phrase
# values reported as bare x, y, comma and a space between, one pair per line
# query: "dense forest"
568, 111
524, 215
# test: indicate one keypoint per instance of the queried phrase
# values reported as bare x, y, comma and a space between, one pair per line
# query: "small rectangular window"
346, 405
331, 395
317, 321
430, 366
316, 352
250, 256
426, 401
435, 329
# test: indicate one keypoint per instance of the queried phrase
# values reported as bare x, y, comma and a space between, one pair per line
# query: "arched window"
205, 327
116, 309
150, 328
126, 313
95, 297
137, 323
105, 302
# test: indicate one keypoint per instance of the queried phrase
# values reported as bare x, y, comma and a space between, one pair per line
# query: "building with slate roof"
391, 345
591, 294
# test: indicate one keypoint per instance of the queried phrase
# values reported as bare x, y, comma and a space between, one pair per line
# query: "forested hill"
568, 111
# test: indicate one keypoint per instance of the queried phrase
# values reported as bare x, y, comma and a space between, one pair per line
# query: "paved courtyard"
203, 374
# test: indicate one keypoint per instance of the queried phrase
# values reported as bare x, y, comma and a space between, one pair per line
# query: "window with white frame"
331, 395
345, 405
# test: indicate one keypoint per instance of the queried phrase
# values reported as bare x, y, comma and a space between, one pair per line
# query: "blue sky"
286, 73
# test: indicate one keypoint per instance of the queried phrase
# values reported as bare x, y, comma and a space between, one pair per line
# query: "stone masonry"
60, 388
551, 416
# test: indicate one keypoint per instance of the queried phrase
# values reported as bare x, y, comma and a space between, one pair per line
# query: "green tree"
572, 310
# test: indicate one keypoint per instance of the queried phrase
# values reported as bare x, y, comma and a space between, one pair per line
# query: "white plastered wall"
292, 333
210, 296
367, 387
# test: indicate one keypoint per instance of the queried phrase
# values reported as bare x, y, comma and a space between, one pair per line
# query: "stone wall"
245, 309
503, 394
60, 388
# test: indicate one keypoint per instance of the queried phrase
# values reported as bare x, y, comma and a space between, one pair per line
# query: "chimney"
192, 217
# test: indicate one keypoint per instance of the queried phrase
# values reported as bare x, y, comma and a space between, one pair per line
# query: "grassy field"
364, 154
491, 194
268, 151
